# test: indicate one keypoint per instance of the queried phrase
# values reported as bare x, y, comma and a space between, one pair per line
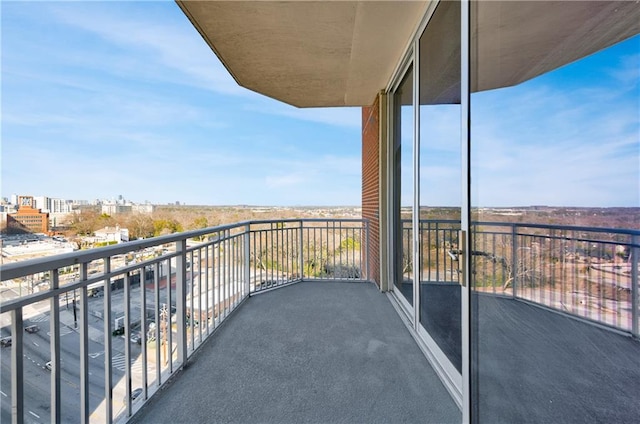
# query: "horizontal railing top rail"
20, 269
23, 268
626, 231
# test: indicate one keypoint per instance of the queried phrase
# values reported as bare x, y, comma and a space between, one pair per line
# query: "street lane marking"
36, 344
34, 414
63, 331
3, 393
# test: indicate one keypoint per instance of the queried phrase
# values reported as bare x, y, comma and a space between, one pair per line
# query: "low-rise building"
27, 219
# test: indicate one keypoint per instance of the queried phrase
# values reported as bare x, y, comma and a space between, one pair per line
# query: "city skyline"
126, 98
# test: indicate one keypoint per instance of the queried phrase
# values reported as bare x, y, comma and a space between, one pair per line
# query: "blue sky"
101, 99
570, 137
107, 98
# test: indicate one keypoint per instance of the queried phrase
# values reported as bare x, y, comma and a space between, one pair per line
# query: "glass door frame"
458, 384
393, 186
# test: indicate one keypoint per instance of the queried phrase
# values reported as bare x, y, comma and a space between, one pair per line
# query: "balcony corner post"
181, 301
367, 249
635, 312
247, 261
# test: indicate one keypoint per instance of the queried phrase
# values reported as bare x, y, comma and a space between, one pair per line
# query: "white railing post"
181, 301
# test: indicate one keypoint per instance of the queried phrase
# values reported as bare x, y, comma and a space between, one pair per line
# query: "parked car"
5, 342
32, 329
135, 394
136, 338
47, 366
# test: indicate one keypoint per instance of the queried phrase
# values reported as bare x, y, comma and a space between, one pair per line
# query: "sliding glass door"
440, 176
403, 186
427, 171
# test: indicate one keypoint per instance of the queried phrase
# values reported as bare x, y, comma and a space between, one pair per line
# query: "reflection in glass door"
554, 192
403, 186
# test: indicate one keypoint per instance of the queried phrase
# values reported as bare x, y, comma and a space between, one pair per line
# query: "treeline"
170, 219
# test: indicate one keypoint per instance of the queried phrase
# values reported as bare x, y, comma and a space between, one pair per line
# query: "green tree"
197, 224
166, 226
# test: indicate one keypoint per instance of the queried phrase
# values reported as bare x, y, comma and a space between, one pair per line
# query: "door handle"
462, 262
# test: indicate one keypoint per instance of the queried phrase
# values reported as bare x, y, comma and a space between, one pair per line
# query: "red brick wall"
370, 185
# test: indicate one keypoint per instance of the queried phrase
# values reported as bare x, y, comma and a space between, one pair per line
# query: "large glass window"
440, 177
555, 174
403, 187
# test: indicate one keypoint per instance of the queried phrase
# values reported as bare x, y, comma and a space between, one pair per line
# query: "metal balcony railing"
117, 322
140, 309
591, 273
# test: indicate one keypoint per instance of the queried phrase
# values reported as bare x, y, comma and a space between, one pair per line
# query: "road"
37, 348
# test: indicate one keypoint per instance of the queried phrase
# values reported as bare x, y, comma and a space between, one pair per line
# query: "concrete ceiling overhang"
519, 40
308, 53
341, 53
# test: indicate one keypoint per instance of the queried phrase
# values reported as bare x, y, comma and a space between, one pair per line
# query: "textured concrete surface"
537, 366
318, 352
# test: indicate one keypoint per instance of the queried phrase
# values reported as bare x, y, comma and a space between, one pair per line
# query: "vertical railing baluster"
290, 254
181, 300
108, 377
156, 293
321, 255
514, 261
54, 338
218, 276
143, 332
206, 287
227, 272
234, 270
168, 348
127, 341
189, 307
85, 409
208, 276
247, 260
635, 307
552, 263
17, 367
199, 293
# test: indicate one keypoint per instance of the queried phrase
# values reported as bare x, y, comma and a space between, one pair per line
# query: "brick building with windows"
27, 219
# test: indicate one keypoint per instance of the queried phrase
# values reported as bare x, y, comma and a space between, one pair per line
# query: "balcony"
294, 331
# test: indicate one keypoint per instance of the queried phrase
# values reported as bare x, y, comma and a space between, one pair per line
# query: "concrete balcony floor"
332, 352
313, 352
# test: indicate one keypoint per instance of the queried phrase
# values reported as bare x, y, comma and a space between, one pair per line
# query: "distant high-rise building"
41, 202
